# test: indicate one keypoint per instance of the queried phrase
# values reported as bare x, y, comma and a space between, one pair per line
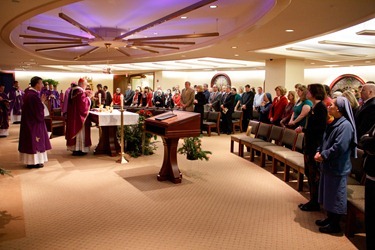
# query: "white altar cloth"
114, 118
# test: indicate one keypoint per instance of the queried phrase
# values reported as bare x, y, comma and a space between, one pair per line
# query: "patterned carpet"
92, 202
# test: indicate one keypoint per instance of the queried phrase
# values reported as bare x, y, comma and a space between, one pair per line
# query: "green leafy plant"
5, 172
192, 148
51, 81
137, 141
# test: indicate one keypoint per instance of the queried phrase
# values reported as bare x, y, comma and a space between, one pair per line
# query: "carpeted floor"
92, 202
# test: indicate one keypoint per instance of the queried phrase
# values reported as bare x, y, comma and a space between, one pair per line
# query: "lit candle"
122, 101
100, 98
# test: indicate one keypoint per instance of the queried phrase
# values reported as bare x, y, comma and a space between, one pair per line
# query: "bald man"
365, 116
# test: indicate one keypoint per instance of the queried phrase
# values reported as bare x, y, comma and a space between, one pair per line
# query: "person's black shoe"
322, 223
35, 166
330, 229
309, 207
78, 153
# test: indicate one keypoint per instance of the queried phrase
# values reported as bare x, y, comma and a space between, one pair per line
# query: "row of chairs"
284, 146
211, 120
279, 145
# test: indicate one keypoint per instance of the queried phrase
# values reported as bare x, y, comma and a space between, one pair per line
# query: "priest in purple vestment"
15, 96
34, 140
53, 97
4, 111
78, 137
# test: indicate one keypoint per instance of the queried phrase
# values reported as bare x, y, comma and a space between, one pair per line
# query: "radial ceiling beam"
55, 33
165, 42
62, 47
121, 51
167, 18
174, 37
78, 25
86, 53
50, 38
50, 43
156, 46
140, 48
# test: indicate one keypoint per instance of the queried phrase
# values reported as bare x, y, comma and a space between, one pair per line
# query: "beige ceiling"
251, 31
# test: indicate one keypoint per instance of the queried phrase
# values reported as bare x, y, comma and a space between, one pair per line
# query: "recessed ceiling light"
331, 65
236, 55
184, 17
213, 6
234, 47
367, 61
155, 33
289, 30
312, 63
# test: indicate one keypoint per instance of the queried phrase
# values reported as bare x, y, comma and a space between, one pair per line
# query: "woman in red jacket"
278, 105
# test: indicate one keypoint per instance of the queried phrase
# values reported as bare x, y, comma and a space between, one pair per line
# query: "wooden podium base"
169, 170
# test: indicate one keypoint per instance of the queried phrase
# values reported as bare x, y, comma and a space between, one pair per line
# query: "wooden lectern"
171, 129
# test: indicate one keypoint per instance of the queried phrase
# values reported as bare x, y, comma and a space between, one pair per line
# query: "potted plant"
191, 147
138, 142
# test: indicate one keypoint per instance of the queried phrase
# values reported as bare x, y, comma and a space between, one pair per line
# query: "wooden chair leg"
262, 160
252, 152
240, 149
209, 131
286, 173
274, 165
231, 146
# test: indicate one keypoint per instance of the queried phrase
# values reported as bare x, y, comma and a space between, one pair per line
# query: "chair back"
263, 131
213, 116
205, 115
275, 134
254, 126
237, 115
289, 138
56, 112
299, 143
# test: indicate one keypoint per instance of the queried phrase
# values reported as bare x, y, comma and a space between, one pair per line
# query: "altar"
108, 122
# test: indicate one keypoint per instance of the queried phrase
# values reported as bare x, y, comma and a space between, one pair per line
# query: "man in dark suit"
227, 109
214, 100
129, 93
365, 116
365, 121
247, 100
108, 96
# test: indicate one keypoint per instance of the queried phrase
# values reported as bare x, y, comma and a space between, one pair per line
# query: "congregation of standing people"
333, 128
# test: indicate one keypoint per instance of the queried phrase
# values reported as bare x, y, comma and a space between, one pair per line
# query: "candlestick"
122, 101
122, 159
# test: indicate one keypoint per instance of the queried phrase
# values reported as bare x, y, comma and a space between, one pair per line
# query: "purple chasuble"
33, 130
77, 114
16, 98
